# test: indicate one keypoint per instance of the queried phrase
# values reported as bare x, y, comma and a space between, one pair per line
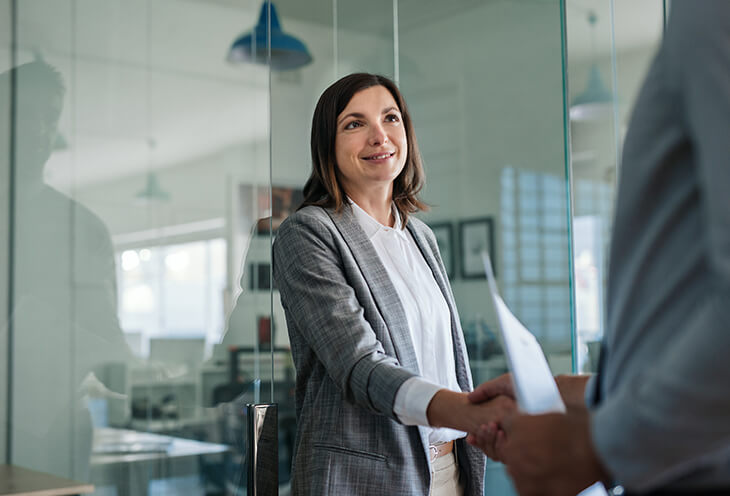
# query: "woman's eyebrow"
357, 115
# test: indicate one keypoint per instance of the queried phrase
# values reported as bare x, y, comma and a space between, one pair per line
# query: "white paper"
597, 489
534, 384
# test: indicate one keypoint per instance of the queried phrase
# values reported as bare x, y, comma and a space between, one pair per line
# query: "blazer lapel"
463, 375
382, 289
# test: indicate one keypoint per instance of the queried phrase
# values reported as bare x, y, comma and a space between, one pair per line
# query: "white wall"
482, 98
485, 89
205, 187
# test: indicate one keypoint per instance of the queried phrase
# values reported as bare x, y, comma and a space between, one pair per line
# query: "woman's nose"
378, 135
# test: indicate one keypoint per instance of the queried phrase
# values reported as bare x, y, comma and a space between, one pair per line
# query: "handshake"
550, 454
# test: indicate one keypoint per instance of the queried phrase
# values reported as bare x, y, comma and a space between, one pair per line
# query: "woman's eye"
392, 118
352, 125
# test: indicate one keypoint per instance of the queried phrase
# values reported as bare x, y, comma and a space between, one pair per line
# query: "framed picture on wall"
262, 208
445, 239
475, 237
284, 201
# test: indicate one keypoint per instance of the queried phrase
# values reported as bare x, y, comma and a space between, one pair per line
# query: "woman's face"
370, 145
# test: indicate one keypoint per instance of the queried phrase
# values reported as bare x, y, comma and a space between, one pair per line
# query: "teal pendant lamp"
287, 52
595, 101
152, 192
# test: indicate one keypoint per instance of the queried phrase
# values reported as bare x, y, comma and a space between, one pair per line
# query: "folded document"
534, 385
533, 381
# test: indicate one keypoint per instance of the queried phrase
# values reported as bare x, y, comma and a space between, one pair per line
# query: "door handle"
263, 449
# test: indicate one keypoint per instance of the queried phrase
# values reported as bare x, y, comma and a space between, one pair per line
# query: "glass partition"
485, 94
6, 37
146, 166
610, 47
141, 203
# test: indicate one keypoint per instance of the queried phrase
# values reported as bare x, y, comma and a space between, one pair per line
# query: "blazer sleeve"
325, 311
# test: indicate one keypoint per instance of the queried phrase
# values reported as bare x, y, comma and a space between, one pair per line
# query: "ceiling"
142, 71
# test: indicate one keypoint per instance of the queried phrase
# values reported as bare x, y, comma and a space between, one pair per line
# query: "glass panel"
484, 85
152, 174
142, 198
609, 52
6, 33
294, 94
365, 41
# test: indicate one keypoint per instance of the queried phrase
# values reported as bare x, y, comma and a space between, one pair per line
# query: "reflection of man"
64, 316
659, 408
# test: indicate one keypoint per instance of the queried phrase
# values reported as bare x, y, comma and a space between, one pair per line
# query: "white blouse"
428, 316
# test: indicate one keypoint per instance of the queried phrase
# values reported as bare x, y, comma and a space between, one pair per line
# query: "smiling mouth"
379, 156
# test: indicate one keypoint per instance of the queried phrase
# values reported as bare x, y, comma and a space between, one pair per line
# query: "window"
535, 279
172, 291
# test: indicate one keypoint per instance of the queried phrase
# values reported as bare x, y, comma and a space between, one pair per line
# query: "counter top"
18, 481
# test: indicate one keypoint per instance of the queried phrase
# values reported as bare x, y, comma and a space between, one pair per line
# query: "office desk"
130, 459
18, 481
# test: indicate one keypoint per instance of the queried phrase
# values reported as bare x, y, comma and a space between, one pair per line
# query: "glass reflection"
604, 41
65, 326
151, 296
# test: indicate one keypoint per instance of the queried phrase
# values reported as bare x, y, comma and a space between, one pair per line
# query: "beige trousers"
445, 480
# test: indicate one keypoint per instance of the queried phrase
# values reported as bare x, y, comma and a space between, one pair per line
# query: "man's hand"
502, 385
572, 389
485, 437
489, 434
550, 454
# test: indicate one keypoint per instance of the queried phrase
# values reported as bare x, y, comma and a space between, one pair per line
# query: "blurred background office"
139, 201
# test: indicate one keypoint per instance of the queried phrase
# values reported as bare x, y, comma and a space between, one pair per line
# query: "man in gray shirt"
658, 416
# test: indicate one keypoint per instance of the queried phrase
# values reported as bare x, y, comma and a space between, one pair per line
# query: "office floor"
175, 486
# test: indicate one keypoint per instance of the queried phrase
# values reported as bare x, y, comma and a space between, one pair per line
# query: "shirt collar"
372, 226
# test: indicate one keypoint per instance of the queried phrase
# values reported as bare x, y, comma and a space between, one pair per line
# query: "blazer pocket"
349, 451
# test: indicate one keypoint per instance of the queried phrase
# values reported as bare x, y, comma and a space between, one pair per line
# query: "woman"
375, 335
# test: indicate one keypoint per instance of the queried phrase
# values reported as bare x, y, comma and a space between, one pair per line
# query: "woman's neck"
379, 207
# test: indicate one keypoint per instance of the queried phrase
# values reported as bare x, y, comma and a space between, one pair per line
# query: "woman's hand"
456, 411
486, 436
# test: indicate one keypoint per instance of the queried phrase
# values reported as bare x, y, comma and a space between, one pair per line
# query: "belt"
441, 449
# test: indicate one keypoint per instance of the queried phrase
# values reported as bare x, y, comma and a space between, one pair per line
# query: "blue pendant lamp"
287, 52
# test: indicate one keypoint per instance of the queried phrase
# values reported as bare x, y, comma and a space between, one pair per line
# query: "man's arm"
677, 414
572, 390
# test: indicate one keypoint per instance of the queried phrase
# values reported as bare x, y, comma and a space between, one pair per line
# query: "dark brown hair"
324, 188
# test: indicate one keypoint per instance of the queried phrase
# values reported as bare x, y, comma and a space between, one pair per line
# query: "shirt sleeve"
412, 400
677, 416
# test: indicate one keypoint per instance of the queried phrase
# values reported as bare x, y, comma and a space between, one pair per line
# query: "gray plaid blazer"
352, 351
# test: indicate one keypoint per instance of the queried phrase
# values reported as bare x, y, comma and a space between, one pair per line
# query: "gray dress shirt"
661, 400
